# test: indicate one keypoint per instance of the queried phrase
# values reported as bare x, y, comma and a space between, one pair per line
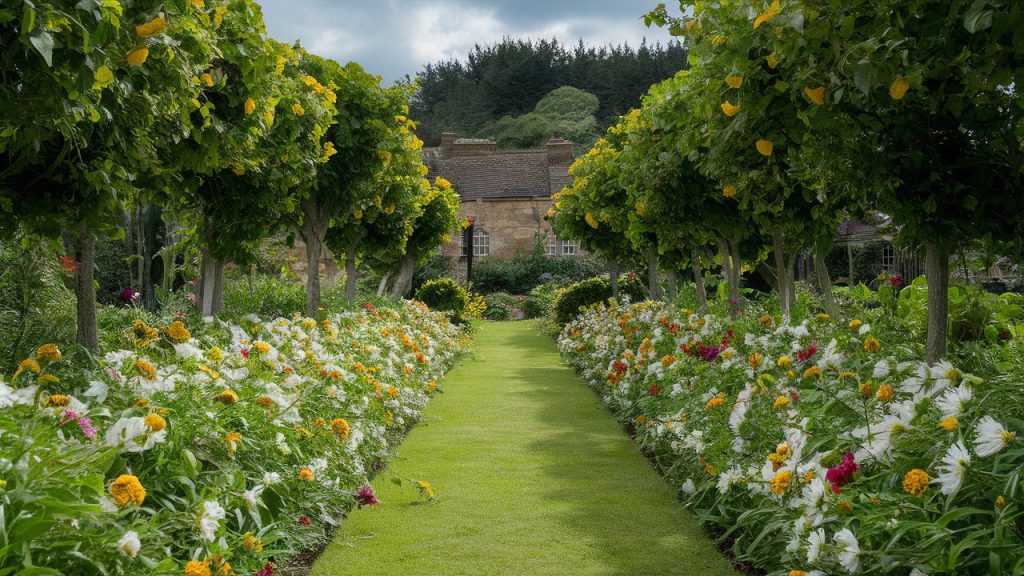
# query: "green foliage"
974, 314
867, 261
446, 295
573, 298
539, 301
112, 270
523, 272
503, 306
565, 113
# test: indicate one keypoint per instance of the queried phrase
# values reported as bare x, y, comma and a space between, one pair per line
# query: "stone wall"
513, 225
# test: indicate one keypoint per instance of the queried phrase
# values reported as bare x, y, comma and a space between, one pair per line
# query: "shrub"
502, 306
569, 300
446, 295
538, 301
522, 273
267, 296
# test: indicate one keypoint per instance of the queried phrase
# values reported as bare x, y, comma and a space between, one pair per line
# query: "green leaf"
977, 18
28, 19
43, 43
846, 29
862, 76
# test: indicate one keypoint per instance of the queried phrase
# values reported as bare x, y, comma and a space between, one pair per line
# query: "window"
481, 242
889, 258
570, 247
552, 246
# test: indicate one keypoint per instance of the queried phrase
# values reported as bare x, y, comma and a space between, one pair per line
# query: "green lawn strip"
533, 475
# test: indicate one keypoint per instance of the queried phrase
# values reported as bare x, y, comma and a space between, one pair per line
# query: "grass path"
533, 475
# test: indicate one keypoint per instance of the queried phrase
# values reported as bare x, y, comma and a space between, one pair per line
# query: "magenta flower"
84, 424
842, 474
811, 351
268, 570
128, 295
366, 496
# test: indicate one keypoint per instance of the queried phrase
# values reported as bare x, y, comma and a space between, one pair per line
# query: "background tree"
436, 221
565, 112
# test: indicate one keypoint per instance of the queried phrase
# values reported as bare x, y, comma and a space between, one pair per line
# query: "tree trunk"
211, 294
383, 284
698, 279
85, 289
403, 281
824, 281
613, 278
652, 273
849, 263
791, 279
351, 274
936, 262
737, 274
314, 228
779, 253
671, 285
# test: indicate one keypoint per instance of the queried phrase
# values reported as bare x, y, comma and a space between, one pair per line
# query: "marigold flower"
141, 335
215, 354
781, 402
641, 420
668, 360
232, 439
765, 147
147, 370
729, 109
177, 332
871, 344
48, 353
867, 390
155, 422
755, 360
340, 427
715, 402
297, 109
784, 362
226, 397
846, 374
154, 26
207, 79
251, 542
197, 568
781, 481
812, 371
916, 482
855, 324
949, 424
898, 88
816, 95
29, 365
261, 347
306, 474
729, 191
48, 379
766, 319
734, 81
58, 400
766, 16
127, 489
884, 393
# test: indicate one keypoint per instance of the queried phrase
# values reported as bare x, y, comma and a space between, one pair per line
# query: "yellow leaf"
773, 61
734, 81
641, 208
898, 88
729, 109
138, 56
765, 147
729, 191
199, 3
816, 95
154, 26
768, 14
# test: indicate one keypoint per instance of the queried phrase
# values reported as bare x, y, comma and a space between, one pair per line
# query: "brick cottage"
507, 193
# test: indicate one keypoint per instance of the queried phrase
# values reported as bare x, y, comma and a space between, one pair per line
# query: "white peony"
129, 544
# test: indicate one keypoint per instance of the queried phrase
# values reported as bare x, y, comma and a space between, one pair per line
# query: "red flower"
268, 570
245, 353
305, 521
654, 390
811, 351
842, 474
896, 281
366, 496
69, 265
369, 306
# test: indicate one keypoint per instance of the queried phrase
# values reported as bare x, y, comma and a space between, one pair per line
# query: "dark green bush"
265, 296
113, 273
446, 295
538, 301
503, 306
522, 273
570, 299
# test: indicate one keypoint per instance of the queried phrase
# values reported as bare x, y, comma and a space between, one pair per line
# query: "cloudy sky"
397, 37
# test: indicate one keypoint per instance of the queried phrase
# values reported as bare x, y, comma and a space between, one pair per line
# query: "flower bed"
216, 452
818, 447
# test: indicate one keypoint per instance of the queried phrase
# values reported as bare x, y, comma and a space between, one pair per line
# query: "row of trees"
798, 113
188, 106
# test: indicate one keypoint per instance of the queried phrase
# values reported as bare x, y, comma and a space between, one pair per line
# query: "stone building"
507, 193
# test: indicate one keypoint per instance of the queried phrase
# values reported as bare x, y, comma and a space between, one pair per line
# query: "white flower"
992, 437
132, 435
252, 497
187, 351
881, 369
209, 519
129, 544
953, 401
688, 486
97, 390
954, 465
814, 544
727, 478
849, 550
271, 478
815, 502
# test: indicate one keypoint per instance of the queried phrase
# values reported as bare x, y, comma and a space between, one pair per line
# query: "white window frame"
889, 258
570, 248
481, 242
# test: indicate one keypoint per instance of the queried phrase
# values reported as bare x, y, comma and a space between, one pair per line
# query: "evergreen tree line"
509, 79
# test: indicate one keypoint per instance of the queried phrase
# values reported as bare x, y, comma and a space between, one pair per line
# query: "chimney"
447, 144
559, 152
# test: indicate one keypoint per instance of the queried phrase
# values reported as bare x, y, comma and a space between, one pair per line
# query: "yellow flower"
867, 390
215, 354
797, 573
155, 422
773, 60
199, 3
226, 397
48, 379
781, 402
715, 402
898, 88
358, 214
915, 482
137, 57
127, 489
729, 110
197, 568
855, 324
1000, 502
871, 344
768, 14
250, 106
766, 319
251, 542
765, 147
641, 420
154, 26
846, 374
261, 347
213, 374
812, 371
781, 481
329, 150
340, 427
27, 364
949, 424
816, 95
103, 76
784, 362
822, 316
147, 370
791, 374
426, 489
306, 474
443, 184
208, 79
177, 332
884, 393
140, 335
591, 220
233, 439
218, 15
58, 400
734, 81
668, 360
238, 169
729, 191
755, 360
48, 353
297, 109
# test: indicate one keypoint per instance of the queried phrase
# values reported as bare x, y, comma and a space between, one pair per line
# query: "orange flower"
154, 26
340, 427
208, 79
306, 474
898, 88
884, 393
250, 106
127, 489
871, 344
729, 110
816, 95
734, 81
729, 191
765, 147
137, 57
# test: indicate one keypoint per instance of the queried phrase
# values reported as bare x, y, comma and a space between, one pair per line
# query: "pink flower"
305, 521
811, 351
842, 474
366, 496
84, 424
896, 281
268, 570
192, 297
